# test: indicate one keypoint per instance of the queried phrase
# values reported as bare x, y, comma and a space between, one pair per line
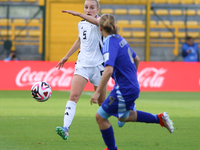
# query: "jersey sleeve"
133, 54
110, 52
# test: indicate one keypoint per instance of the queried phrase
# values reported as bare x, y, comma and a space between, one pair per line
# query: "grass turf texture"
26, 124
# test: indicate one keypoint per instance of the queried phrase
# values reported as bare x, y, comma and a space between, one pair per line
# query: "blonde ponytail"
107, 22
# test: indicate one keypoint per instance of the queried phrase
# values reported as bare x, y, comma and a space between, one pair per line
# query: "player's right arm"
84, 16
72, 50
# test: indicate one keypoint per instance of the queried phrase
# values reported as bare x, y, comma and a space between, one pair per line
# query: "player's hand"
71, 12
94, 98
188, 51
61, 63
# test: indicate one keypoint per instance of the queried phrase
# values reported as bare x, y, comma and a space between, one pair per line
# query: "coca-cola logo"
148, 77
61, 78
151, 77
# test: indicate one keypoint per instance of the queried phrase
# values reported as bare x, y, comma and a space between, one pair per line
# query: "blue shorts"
117, 105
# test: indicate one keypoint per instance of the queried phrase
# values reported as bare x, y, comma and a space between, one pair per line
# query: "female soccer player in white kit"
121, 62
89, 63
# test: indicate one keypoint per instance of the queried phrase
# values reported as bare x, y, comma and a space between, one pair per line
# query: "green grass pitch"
26, 124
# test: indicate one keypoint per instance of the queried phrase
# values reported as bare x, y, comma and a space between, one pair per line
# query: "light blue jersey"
118, 54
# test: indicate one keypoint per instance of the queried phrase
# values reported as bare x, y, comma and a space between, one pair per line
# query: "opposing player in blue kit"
120, 62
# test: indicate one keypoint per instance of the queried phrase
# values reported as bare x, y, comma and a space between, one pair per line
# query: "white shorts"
92, 73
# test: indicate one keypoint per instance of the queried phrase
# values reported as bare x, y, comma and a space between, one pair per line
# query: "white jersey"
90, 53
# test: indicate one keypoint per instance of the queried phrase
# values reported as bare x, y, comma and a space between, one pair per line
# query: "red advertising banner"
152, 76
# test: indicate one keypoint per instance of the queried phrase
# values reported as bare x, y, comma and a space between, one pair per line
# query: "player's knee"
74, 97
98, 118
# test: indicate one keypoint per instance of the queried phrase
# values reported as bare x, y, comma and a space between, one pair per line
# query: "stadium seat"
175, 12
181, 35
193, 34
136, 2
134, 12
20, 33
173, 1
187, 2
41, 2
166, 34
34, 33
198, 12
191, 23
161, 12
137, 22
122, 22
178, 23
164, 22
106, 11
190, 12
16, 0
154, 34
4, 0
19, 21
160, 1
41, 19
33, 21
5, 20
138, 34
5, 32
31, 1
126, 34
197, 2
144, 12
153, 22
120, 11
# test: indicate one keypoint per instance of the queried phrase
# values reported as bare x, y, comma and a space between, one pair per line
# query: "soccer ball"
41, 91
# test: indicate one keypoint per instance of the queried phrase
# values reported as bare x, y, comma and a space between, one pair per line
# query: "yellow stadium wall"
61, 29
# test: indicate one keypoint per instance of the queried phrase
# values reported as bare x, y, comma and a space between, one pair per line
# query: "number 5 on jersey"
84, 35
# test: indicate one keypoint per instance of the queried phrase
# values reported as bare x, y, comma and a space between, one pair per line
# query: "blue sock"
109, 139
147, 117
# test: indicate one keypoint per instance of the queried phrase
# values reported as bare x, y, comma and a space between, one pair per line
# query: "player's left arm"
84, 16
108, 70
110, 50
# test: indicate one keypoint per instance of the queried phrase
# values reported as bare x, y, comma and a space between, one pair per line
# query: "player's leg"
77, 86
141, 116
106, 129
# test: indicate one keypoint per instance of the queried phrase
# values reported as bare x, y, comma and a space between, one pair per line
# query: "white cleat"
166, 122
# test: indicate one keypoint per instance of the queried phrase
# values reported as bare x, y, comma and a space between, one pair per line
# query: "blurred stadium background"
37, 29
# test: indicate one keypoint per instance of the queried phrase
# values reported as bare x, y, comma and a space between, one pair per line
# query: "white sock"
69, 113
